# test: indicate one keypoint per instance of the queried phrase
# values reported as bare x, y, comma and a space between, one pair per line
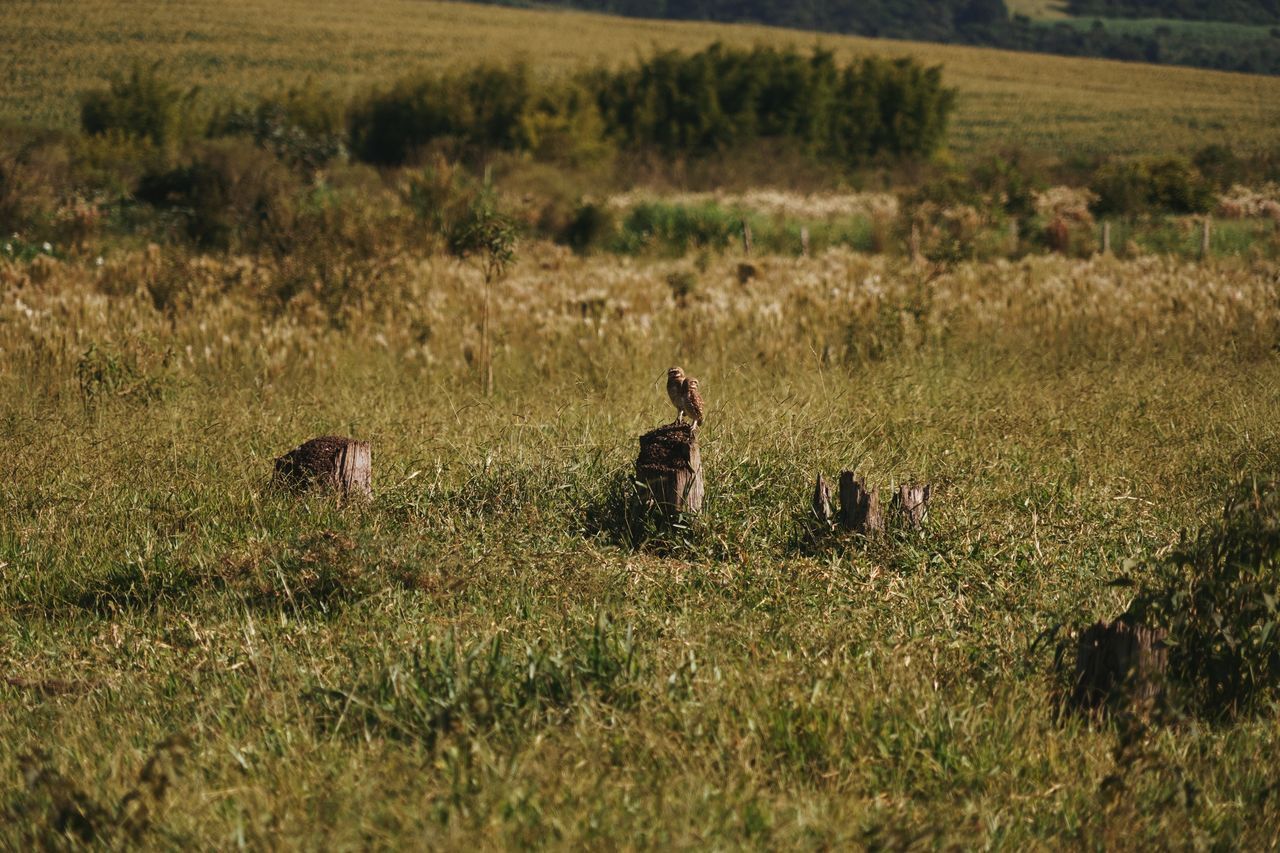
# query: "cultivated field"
52, 50
481, 656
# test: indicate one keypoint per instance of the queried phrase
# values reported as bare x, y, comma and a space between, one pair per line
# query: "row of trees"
1265, 12
679, 104
989, 22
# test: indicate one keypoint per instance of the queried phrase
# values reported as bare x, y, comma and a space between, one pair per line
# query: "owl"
684, 395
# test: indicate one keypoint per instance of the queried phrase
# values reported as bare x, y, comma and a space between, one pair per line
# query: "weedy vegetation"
494, 651
500, 647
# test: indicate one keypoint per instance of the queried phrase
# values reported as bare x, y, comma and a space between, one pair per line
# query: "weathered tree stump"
1119, 665
822, 500
330, 462
859, 506
670, 468
911, 505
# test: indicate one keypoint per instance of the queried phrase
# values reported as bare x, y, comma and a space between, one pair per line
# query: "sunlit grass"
52, 50
478, 656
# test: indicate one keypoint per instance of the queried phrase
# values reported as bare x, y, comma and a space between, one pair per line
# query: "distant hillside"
1231, 11
927, 20
930, 20
1106, 32
1062, 106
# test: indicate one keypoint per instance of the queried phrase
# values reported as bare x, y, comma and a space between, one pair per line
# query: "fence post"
746, 237
1106, 238
1206, 235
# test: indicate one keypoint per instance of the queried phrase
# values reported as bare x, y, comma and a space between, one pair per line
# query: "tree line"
989, 23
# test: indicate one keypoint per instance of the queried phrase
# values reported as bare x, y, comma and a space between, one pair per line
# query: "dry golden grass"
52, 50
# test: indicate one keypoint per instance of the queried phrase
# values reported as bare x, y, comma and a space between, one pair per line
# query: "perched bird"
683, 391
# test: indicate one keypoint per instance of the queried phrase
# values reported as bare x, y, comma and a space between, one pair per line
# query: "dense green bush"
231, 194
724, 97
482, 109
1151, 185
1218, 596
695, 104
305, 126
675, 229
144, 105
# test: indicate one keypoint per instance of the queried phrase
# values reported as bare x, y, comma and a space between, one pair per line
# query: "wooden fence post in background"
859, 506
1106, 238
822, 500
911, 505
1206, 237
1014, 240
330, 461
746, 237
804, 241
669, 467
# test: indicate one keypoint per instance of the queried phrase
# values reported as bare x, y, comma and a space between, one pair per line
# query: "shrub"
591, 225
304, 127
231, 194
1151, 185
475, 111
1218, 596
696, 104
33, 177
144, 105
676, 228
724, 97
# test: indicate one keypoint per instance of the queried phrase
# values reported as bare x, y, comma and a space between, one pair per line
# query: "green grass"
1215, 31
53, 50
478, 657
1038, 9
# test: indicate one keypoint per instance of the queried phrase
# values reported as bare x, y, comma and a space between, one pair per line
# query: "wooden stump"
1119, 665
670, 467
331, 462
911, 505
859, 506
822, 500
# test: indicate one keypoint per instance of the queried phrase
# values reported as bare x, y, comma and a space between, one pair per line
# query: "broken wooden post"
859, 506
746, 237
1206, 235
330, 461
911, 505
1106, 238
1119, 665
822, 500
670, 468
804, 241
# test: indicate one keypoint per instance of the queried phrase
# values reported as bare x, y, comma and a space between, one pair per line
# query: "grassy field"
481, 656
1039, 9
52, 50
1218, 31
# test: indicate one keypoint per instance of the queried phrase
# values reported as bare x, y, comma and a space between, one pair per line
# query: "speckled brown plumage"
684, 394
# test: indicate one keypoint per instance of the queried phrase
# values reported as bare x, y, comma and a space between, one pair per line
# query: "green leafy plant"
144, 105
487, 237
1218, 596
